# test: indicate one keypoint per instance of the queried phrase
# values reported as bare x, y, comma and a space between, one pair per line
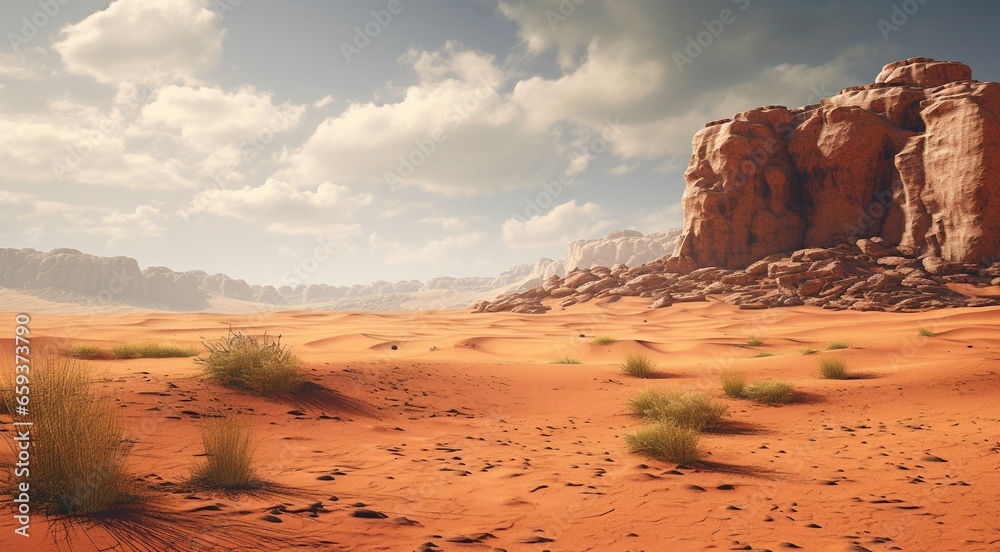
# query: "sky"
352, 141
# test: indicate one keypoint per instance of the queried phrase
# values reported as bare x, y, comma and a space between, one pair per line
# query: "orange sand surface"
467, 437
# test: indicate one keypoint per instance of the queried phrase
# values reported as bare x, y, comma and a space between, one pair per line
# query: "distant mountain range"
71, 276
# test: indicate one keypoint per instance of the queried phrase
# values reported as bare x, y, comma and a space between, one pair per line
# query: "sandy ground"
462, 434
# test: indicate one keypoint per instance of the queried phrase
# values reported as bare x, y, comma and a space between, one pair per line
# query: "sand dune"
451, 431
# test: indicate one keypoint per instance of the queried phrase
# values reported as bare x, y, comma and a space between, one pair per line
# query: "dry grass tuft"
262, 365
665, 441
770, 392
151, 350
77, 451
734, 383
229, 447
688, 409
638, 365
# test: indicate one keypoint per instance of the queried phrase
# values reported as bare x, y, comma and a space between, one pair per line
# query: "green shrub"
770, 392
229, 449
734, 383
567, 360
833, 368
604, 340
755, 341
665, 441
809, 351
77, 451
763, 354
262, 365
151, 350
927, 333
688, 409
638, 364
835, 345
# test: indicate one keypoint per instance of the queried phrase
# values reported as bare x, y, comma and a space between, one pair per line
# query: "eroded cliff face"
913, 158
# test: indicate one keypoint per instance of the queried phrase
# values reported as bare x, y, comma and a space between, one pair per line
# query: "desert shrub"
770, 392
638, 364
755, 341
262, 364
604, 340
835, 345
151, 350
763, 354
833, 368
688, 409
567, 360
808, 351
77, 451
665, 441
734, 383
86, 352
926, 333
229, 449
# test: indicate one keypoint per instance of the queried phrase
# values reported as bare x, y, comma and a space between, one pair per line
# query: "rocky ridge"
869, 275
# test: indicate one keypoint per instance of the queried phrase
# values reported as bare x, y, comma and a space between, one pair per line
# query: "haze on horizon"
404, 139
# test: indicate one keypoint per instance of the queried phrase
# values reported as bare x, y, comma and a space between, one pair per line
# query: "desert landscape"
788, 339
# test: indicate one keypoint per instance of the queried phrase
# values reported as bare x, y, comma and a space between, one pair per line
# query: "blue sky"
402, 139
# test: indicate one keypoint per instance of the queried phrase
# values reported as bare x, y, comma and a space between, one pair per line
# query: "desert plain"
447, 430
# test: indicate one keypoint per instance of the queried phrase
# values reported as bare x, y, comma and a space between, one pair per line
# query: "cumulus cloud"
285, 208
39, 217
128, 39
431, 252
564, 223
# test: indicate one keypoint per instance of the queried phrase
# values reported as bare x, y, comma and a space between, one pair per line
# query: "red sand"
483, 444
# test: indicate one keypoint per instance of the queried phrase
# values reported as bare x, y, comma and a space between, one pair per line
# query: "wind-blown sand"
483, 444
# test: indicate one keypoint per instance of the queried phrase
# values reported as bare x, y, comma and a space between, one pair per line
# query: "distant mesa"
878, 198
70, 276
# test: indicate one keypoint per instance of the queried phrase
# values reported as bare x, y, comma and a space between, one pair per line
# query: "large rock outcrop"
913, 158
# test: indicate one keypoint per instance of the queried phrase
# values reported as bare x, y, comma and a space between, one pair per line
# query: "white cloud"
659, 220
42, 217
431, 252
19, 67
180, 38
80, 144
564, 223
285, 208
452, 132
447, 223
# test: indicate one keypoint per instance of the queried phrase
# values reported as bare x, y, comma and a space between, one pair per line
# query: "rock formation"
621, 247
913, 158
878, 198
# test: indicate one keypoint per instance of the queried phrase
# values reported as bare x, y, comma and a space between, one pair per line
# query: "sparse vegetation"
808, 351
261, 364
567, 360
835, 345
151, 350
638, 365
77, 451
927, 333
665, 441
833, 368
755, 341
229, 449
734, 383
604, 340
763, 354
688, 409
88, 352
770, 392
